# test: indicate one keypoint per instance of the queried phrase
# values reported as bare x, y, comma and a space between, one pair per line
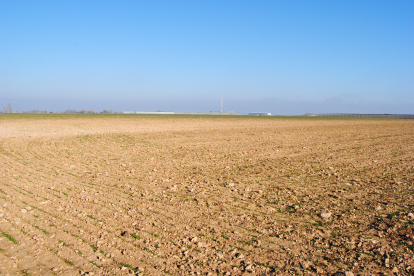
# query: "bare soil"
147, 195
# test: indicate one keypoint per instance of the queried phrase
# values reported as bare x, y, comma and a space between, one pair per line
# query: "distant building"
260, 114
147, 112
180, 113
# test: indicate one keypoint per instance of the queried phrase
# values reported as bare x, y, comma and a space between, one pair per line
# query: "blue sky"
284, 57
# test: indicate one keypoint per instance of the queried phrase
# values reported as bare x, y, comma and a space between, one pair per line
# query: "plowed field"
171, 195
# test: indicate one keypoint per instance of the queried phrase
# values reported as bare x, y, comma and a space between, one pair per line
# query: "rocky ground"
147, 195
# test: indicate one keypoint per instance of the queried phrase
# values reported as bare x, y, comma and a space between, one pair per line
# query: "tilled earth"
142, 195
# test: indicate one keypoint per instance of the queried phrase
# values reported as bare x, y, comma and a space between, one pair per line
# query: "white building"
260, 114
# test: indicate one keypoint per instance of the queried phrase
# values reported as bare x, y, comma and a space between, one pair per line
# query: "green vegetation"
10, 238
135, 236
43, 230
63, 243
147, 249
68, 262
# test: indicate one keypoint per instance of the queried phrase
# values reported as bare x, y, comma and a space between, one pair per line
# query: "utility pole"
222, 105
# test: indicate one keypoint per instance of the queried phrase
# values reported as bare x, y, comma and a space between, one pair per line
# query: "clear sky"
284, 57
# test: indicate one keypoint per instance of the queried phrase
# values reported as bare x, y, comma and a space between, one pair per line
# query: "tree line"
9, 109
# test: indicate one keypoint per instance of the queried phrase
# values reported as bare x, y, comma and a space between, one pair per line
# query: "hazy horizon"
283, 57
278, 108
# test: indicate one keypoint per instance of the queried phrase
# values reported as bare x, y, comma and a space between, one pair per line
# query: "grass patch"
155, 235
126, 265
135, 236
147, 249
335, 235
68, 262
10, 238
43, 230
290, 209
390, 216
63, 243
245, 243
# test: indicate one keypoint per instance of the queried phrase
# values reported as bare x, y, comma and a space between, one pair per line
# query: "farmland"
188, 195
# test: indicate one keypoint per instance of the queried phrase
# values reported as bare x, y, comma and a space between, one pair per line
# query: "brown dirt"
108, 195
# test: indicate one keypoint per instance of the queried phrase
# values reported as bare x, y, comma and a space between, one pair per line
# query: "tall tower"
221, 105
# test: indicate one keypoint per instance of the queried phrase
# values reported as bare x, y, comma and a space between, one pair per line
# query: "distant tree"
8, 109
